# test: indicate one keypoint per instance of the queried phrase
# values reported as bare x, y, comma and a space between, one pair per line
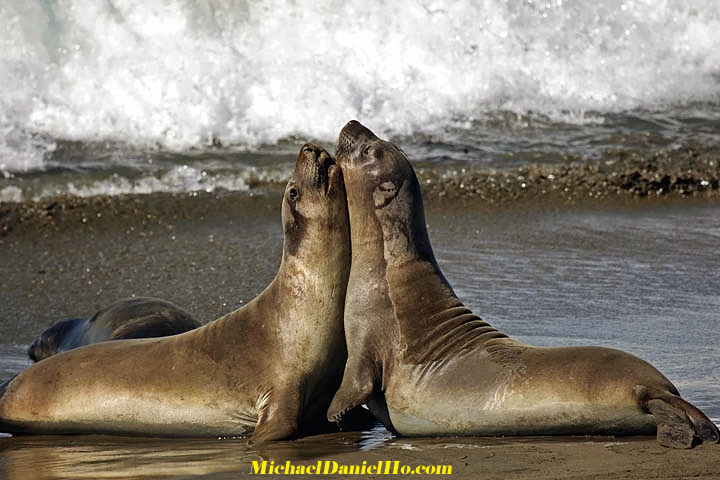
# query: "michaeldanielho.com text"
330, 467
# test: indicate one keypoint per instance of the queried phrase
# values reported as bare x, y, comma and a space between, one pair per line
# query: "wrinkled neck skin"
410, 314
431, 320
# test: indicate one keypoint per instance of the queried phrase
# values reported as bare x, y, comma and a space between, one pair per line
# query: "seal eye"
366, 150
293, 194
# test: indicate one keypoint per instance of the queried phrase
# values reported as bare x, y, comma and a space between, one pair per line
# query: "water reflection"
48, 457
93, 456
376, 437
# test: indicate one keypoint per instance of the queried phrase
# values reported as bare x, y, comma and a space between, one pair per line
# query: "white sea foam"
180, 179
186, 73
11, 194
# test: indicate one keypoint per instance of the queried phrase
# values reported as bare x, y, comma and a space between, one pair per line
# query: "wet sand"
211, 253
470, 458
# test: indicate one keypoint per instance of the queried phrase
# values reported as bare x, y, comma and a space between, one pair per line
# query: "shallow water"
94, 457
642, 278
646, 281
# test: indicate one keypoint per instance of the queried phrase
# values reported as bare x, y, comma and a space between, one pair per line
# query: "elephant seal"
139, 317
270, 367
426, 365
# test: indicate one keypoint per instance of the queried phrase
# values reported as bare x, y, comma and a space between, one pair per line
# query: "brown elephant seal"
426, 365
138, 317
270, 367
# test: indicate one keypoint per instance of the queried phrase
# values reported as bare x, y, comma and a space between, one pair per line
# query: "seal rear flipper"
705, 430
679, 423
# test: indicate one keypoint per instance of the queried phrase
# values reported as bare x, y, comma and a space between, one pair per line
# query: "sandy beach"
546, 458
212, 252
469, 458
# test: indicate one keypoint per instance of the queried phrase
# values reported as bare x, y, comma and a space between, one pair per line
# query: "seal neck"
432, 322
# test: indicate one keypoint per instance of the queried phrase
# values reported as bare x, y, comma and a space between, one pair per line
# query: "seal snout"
317, 163
356, 129
34, 350
54, 339
353, 135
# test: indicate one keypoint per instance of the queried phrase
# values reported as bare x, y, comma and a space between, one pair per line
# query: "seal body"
269, 368
138, 317
426, 365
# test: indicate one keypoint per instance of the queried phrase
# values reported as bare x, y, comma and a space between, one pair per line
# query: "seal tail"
679, 423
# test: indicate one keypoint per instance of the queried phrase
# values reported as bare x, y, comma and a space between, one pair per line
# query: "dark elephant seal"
139, 317
270, 367
426, 365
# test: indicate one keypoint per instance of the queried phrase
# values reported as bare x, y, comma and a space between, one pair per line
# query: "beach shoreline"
463, 458
213, 252
622, 176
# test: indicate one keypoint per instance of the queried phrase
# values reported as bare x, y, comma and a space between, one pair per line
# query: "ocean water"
136, 96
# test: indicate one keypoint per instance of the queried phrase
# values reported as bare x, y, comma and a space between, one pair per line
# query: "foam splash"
179, 179
188, 74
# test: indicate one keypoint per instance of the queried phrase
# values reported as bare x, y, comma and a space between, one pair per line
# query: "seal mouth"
333, 171
318, 166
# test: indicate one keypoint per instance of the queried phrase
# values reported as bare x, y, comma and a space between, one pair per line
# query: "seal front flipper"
356, 388
277, 421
